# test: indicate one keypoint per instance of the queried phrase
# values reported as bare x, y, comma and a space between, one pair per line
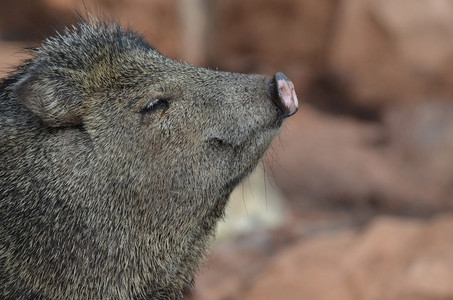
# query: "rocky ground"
359, 205
389, 258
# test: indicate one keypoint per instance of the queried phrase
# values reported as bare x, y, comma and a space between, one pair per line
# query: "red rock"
342, 162
394, 50
393, 258
34, 20
307, 271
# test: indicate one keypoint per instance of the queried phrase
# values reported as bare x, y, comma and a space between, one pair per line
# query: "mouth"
235, 181
278, 122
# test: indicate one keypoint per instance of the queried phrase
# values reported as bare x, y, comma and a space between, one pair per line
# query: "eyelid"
155, 104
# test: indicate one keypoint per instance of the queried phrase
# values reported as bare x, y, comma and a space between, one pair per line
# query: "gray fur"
102, 199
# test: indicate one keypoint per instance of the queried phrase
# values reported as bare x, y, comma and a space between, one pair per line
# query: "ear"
52, 94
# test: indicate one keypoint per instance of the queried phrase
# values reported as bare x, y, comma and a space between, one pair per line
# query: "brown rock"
393, 258
285, 33
311, 271
228, 272
394, 50
342, 162
422, 140
30, 20
33, 20
10, 55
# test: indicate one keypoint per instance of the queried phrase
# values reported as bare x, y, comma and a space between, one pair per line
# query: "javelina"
117, 163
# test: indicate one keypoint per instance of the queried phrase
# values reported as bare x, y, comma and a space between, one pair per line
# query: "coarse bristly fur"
116, 164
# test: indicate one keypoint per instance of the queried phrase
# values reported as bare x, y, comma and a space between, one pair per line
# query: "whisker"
265, 185
243, 200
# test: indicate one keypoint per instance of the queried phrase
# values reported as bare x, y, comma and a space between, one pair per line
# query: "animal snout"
283, 94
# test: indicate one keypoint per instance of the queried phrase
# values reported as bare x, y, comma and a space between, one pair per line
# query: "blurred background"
354, 199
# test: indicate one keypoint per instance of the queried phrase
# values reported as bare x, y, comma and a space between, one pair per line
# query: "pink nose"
286, 94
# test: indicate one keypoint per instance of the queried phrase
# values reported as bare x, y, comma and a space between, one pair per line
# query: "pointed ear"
52, 94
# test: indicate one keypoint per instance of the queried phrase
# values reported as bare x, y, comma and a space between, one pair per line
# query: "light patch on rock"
256, 204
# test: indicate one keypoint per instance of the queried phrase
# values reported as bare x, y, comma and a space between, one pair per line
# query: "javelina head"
155, 122
134, 149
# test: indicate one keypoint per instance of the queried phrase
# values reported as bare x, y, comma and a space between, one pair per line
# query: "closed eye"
155, 104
